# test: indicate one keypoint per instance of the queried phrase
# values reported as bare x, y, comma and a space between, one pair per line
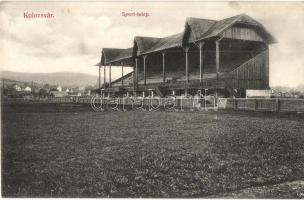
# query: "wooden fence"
277, 105
182, 103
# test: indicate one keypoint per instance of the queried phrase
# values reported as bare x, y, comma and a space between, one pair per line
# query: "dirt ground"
50, 152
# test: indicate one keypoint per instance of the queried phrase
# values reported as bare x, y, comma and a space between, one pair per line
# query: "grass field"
57, 153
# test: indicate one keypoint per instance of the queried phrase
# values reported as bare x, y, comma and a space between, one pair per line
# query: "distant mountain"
9, 84
68, 79
13, 82
301, 87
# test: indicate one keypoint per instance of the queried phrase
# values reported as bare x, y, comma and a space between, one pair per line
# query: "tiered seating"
174, 77
157, 77
151, 78
196, 76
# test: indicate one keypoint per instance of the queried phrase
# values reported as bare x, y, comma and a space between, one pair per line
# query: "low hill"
68, 79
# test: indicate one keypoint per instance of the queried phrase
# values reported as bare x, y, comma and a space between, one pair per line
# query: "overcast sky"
72, 40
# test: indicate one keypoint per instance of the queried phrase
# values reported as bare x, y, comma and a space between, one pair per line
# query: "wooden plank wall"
242, 33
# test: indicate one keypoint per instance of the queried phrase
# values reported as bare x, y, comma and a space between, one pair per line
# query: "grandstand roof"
220, 26
111, 55
198, 26
145, 43
201, 29
166, 43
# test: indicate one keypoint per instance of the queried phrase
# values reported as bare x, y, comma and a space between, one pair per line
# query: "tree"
43, 92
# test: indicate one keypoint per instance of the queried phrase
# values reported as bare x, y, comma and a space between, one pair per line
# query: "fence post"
256, 105
106, 104
278, 105
235, 104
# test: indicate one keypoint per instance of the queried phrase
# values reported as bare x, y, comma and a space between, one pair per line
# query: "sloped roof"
219, 26
201, 28
144, 43
166, 43
110, 55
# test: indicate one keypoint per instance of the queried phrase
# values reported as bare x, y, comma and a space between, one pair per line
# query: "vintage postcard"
152, 99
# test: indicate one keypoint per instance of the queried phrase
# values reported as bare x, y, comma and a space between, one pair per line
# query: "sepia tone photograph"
152, 99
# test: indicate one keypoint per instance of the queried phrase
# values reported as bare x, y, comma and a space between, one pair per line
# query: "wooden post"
187, 65
164, 75
136, 75
136, 72
201, 44
104, 76
267, 68
278, 102
110, 78
144, 57
235, 103
99, 76
122, 74
217, 63
256, 105
217, 57
99, 69
133, 80
187, 71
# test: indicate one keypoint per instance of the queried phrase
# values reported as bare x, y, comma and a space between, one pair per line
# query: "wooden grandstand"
226, 57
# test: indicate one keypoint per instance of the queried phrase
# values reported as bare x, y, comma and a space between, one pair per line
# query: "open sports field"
80, 153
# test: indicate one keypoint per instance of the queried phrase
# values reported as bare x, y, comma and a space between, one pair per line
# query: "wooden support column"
267, 69
136, 70
99, 84
110, 74
187, 64
135, 78
164, 74
122, 74
201, 63
217, 56
144, 57
99, 77
104, 76
99, 71
187, 71
217, 64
